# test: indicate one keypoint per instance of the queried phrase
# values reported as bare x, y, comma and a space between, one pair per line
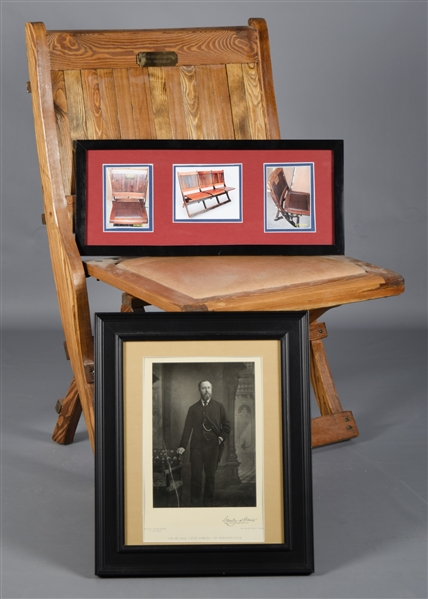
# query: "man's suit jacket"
214, 413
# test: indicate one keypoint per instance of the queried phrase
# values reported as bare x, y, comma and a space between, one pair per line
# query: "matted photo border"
209, 227
278, 342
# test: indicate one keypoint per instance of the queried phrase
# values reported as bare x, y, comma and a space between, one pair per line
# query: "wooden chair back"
88, 85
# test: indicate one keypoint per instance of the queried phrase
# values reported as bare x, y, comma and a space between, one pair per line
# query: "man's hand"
180, 450
220, 440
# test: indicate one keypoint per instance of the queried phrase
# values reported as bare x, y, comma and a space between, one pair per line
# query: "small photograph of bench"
289, 188
126, 191
204, 190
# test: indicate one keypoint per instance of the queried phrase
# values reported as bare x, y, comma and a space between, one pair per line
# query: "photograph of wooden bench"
127, 188
200, 186
290, 204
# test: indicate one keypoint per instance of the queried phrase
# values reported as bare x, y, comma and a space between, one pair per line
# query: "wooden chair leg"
69, 410
334, 424
132, 304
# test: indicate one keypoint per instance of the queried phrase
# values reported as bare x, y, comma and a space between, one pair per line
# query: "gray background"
343, 70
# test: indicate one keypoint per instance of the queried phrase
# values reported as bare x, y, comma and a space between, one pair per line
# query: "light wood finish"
87, 85
203, 283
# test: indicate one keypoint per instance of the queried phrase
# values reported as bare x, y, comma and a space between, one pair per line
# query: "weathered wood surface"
260, 287
69, 274
118, 49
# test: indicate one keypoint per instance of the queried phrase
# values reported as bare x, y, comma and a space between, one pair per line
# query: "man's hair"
204, 381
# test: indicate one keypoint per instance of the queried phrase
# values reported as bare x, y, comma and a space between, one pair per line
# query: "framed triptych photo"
187, 197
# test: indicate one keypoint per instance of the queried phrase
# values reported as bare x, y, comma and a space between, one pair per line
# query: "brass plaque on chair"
157, 59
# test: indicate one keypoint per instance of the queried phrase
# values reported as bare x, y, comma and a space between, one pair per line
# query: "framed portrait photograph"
203, 448
200, 197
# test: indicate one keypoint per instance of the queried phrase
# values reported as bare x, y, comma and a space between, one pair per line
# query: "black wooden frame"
84, 146
295, 555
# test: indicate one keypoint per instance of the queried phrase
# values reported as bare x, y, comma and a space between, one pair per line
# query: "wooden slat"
118, 49
322, 380
124, 104
176, 108
266, 76
160, 102
75, 104
214, 102
189, 88
109, 110
63, 129
142, 109
238, 101
92, 100
66, 263
256, 117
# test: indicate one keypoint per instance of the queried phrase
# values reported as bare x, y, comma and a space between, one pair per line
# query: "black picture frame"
116, 337
250, 230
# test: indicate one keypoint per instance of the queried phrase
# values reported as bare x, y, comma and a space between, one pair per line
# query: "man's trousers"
203, 459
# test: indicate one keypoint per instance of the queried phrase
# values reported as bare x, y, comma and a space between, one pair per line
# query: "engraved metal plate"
157, 59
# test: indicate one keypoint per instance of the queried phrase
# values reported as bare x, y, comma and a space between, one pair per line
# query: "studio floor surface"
370, 509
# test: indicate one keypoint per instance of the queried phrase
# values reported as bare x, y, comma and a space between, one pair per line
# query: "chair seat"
128, 212
200, 283
197, 196
220, 189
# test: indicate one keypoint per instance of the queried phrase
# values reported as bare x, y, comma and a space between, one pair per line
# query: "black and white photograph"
206, 451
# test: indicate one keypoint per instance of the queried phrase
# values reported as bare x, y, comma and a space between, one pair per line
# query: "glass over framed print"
203, 449
160, 198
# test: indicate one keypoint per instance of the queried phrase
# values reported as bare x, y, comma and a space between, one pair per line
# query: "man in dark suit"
207, 422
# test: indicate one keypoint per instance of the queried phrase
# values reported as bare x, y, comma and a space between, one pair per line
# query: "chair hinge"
317, 330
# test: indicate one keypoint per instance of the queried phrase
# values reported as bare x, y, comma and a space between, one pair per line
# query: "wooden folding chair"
88, 85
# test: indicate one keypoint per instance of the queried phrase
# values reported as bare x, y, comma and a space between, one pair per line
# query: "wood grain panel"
222, 102
111, 129
175, 100
214, 102
256, 117
142, 109
160, 102
238, 101
124, 104
63, 129
118, 49
76, 105
189, 89
92, 100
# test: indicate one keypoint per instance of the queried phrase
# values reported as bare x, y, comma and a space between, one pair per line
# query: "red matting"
248, 232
